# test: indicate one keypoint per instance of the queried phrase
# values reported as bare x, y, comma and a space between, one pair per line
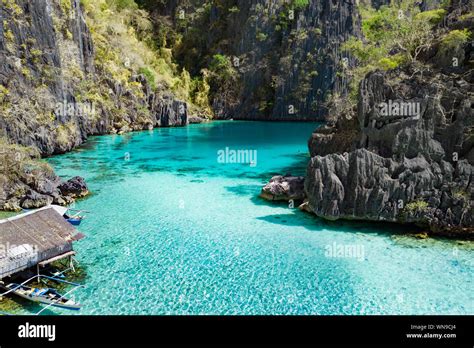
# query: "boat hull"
75, 222
46, 301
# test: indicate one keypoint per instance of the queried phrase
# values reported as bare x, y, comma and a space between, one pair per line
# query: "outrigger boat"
75, 219
45, 296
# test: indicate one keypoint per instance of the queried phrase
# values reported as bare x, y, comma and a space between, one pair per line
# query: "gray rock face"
284, 188
413, 168
39, 189
34, 200
45, 55
338, 138
309, 59
197, 120
287, 56
74, 188
169, 112
406, 154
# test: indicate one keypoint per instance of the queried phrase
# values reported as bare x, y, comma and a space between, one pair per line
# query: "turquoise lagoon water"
172, 231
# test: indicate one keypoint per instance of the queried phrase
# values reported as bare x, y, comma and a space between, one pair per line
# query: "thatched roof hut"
33, 238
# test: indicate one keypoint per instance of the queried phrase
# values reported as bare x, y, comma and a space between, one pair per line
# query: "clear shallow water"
175, 232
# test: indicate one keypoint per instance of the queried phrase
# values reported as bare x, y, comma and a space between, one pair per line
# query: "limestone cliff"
407, 167
70, 69
286, 54
57, 87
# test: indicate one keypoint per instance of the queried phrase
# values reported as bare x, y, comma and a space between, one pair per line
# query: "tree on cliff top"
393, 35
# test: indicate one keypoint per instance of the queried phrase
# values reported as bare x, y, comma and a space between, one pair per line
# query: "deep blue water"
173, 231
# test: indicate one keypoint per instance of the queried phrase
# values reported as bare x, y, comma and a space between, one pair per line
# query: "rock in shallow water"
75, 188
284, 188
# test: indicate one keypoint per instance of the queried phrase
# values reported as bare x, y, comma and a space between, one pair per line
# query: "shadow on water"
292, 220
244, 190
198, 181
314, 223
409, 236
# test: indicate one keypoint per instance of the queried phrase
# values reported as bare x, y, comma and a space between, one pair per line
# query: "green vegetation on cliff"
17, 161
393, 35
396, 35
19, 166
58, 58
123, 35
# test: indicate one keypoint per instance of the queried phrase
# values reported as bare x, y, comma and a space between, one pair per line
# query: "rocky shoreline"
45, 192
57, 89
29, 183
414, 169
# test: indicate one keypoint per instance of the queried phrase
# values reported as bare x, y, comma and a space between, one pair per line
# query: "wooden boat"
74, 220
44, 296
